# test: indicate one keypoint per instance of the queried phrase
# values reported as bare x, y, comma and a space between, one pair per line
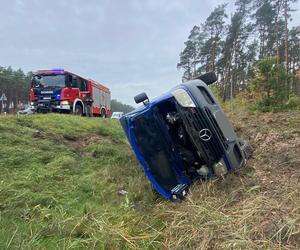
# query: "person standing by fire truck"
88, 104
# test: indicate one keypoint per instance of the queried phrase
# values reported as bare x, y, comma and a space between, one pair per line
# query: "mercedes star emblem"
205, 134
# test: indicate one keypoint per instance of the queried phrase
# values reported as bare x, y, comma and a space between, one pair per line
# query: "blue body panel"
127, 123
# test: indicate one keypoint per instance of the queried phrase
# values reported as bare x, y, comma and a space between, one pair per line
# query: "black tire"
142, 97
209, 78
103, 113
78, 110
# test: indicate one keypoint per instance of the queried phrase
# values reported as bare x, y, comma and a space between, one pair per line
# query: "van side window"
206, 95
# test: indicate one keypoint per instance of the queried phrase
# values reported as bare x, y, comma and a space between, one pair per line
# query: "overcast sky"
129, 45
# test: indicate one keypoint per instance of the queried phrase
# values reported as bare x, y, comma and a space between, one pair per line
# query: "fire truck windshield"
49, 80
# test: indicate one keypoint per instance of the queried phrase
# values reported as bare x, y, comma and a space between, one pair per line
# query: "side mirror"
208, 78
35, 81
32, 83
142, 97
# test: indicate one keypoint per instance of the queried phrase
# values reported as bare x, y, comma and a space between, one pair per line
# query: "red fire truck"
58, 90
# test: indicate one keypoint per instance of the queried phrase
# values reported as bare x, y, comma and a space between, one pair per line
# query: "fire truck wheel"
78, 110
103, 113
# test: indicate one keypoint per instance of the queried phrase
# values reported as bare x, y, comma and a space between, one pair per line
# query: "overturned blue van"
183, 136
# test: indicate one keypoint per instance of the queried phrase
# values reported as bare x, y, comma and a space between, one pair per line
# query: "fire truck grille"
47, 100
47, 97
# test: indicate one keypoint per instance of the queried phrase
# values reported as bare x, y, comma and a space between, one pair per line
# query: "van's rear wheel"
78, 110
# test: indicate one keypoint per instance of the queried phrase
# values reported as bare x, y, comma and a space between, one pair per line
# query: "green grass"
60, 177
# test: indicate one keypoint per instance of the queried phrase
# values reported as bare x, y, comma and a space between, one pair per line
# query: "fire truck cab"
58, 90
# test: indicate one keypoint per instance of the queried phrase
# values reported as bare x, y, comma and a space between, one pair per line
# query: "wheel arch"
80, 102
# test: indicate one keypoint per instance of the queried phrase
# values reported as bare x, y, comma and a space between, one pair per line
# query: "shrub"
293, 102
269, 89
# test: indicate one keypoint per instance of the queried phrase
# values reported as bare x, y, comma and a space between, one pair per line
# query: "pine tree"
189, 57
264, 24
15, 85
235, 46
294, 52
214, 27
257, 29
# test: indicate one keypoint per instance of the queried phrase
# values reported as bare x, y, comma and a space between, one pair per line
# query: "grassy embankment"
61, 175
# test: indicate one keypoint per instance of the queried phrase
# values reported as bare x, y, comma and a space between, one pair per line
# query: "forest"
15, 84
254, 51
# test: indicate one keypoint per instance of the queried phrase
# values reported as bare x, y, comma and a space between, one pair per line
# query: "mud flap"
246, 149
179, 192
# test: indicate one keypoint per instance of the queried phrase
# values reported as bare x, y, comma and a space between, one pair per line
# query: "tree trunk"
227, 73
286, 46
263, 44
277, 31
213, 55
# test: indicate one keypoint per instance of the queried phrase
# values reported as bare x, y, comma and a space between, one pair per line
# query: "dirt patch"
39, 134
82, 142
275, 138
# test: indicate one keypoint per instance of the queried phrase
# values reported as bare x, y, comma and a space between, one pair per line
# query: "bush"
269, 89
216, 89
293, 102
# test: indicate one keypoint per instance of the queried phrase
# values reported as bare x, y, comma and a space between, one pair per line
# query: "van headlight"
183, 98
64, 103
